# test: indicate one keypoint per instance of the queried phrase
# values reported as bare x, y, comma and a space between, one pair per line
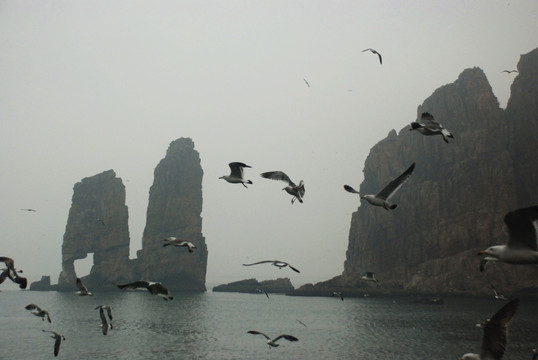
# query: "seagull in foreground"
496, 294
272, 342
155, 288
306, 82
375, 52
495, 334
370, 276
179, 243
32, 210
83, 291
428, 126
337, 293
58, 339
279, 264
522, 245
105, 325
37, 311
261, 291
296, 190
382, 198
236, 174
12, 273
509, 71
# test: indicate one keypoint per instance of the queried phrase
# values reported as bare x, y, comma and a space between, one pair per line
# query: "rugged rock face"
278, 286
98, 224
174, 209
454, 203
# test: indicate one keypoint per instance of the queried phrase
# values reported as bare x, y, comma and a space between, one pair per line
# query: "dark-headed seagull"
236, 174
495, 334
297, 191
428, 126
522, 245
179, 243
272, 342
382, 198
375, 52
105, 325
83, 291
37, 311
279, 264
155, 288
58, 340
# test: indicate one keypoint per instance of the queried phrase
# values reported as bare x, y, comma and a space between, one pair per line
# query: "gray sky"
88, 86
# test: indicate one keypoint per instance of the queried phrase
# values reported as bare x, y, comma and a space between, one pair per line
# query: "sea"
214, 325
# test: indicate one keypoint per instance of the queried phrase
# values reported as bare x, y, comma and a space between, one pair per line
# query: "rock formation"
454, 203
278, 286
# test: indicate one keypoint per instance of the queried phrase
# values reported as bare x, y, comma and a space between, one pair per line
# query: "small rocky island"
278, 286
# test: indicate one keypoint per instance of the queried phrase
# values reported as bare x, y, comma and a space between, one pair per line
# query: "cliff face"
454, 203
174, 208
98, 224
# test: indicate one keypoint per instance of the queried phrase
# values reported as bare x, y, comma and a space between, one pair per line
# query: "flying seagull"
236, 174
496, 294
509, 71
300, 322
522, 245
261, 291
179, 243
279, 264
155, 288
306, 82
382, 198
337, 293
272, 342
105, 325
495, 334
32, 210
370, 276
12, 273
428, 126
375, 52
37, 311
58, 339
297, 191
83, 291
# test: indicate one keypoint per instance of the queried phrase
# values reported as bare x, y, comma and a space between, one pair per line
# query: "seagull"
496, 294
37, 311
300, 322
105, 324
495, 334
58, 339
261, 291
428, 126
83, 291
272, 342
375, 52
296, 190
236, 174
279, 264
370, 276
101, 221
485, 260
12, 273
306, 82
337, 293
32, 210
155, 288
522, 245
179, 243
509, 71
382, 198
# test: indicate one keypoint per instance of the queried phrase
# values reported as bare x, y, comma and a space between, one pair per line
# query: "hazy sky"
87, 86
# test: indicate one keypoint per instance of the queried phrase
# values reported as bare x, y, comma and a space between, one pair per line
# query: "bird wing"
32, 307
135, 285
494, 290
157, 288
48, 317
3, 275
260, 262
57, 342
380, 58
109, 311
350, 189
427, 120
237, 169
395, 184
300, 188
294, 269
81, 286
8, 261
103, 317
495, 332
258, 333
523, 228
277, 175
22, 281
287, 337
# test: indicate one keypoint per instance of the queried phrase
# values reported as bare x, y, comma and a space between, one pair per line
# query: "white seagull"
37, 311
496, 294
370, 276
236, 174
105, 325
382, 198
375, 52
272, 342
261, 291
58, 340
297, 191
83, 291
155, 288
522, 245
339, 294
179, 243
495, 334
428, 126
279, 264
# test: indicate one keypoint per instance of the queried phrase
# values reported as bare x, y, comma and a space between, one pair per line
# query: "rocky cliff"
277, 286
454, 203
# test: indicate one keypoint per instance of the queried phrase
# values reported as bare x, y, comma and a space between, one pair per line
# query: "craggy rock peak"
454, 203
278, 286
174, 209
98, 224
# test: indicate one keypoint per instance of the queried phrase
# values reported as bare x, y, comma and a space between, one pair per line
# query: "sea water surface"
214, 326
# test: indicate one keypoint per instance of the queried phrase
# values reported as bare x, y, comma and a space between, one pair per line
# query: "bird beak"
483, 252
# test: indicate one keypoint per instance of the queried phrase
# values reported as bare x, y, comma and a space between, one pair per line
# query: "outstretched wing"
260, 262
258, 333
395, 184
32, 307
135, 285
277, 175
522, 228
294, 269
428, 121
287, 337
81, 286
237, 169
495, 332
350, 189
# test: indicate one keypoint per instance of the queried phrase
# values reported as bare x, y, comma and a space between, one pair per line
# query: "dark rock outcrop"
43, 284
278, 286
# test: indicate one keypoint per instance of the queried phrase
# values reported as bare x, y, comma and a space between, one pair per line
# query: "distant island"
277, 286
